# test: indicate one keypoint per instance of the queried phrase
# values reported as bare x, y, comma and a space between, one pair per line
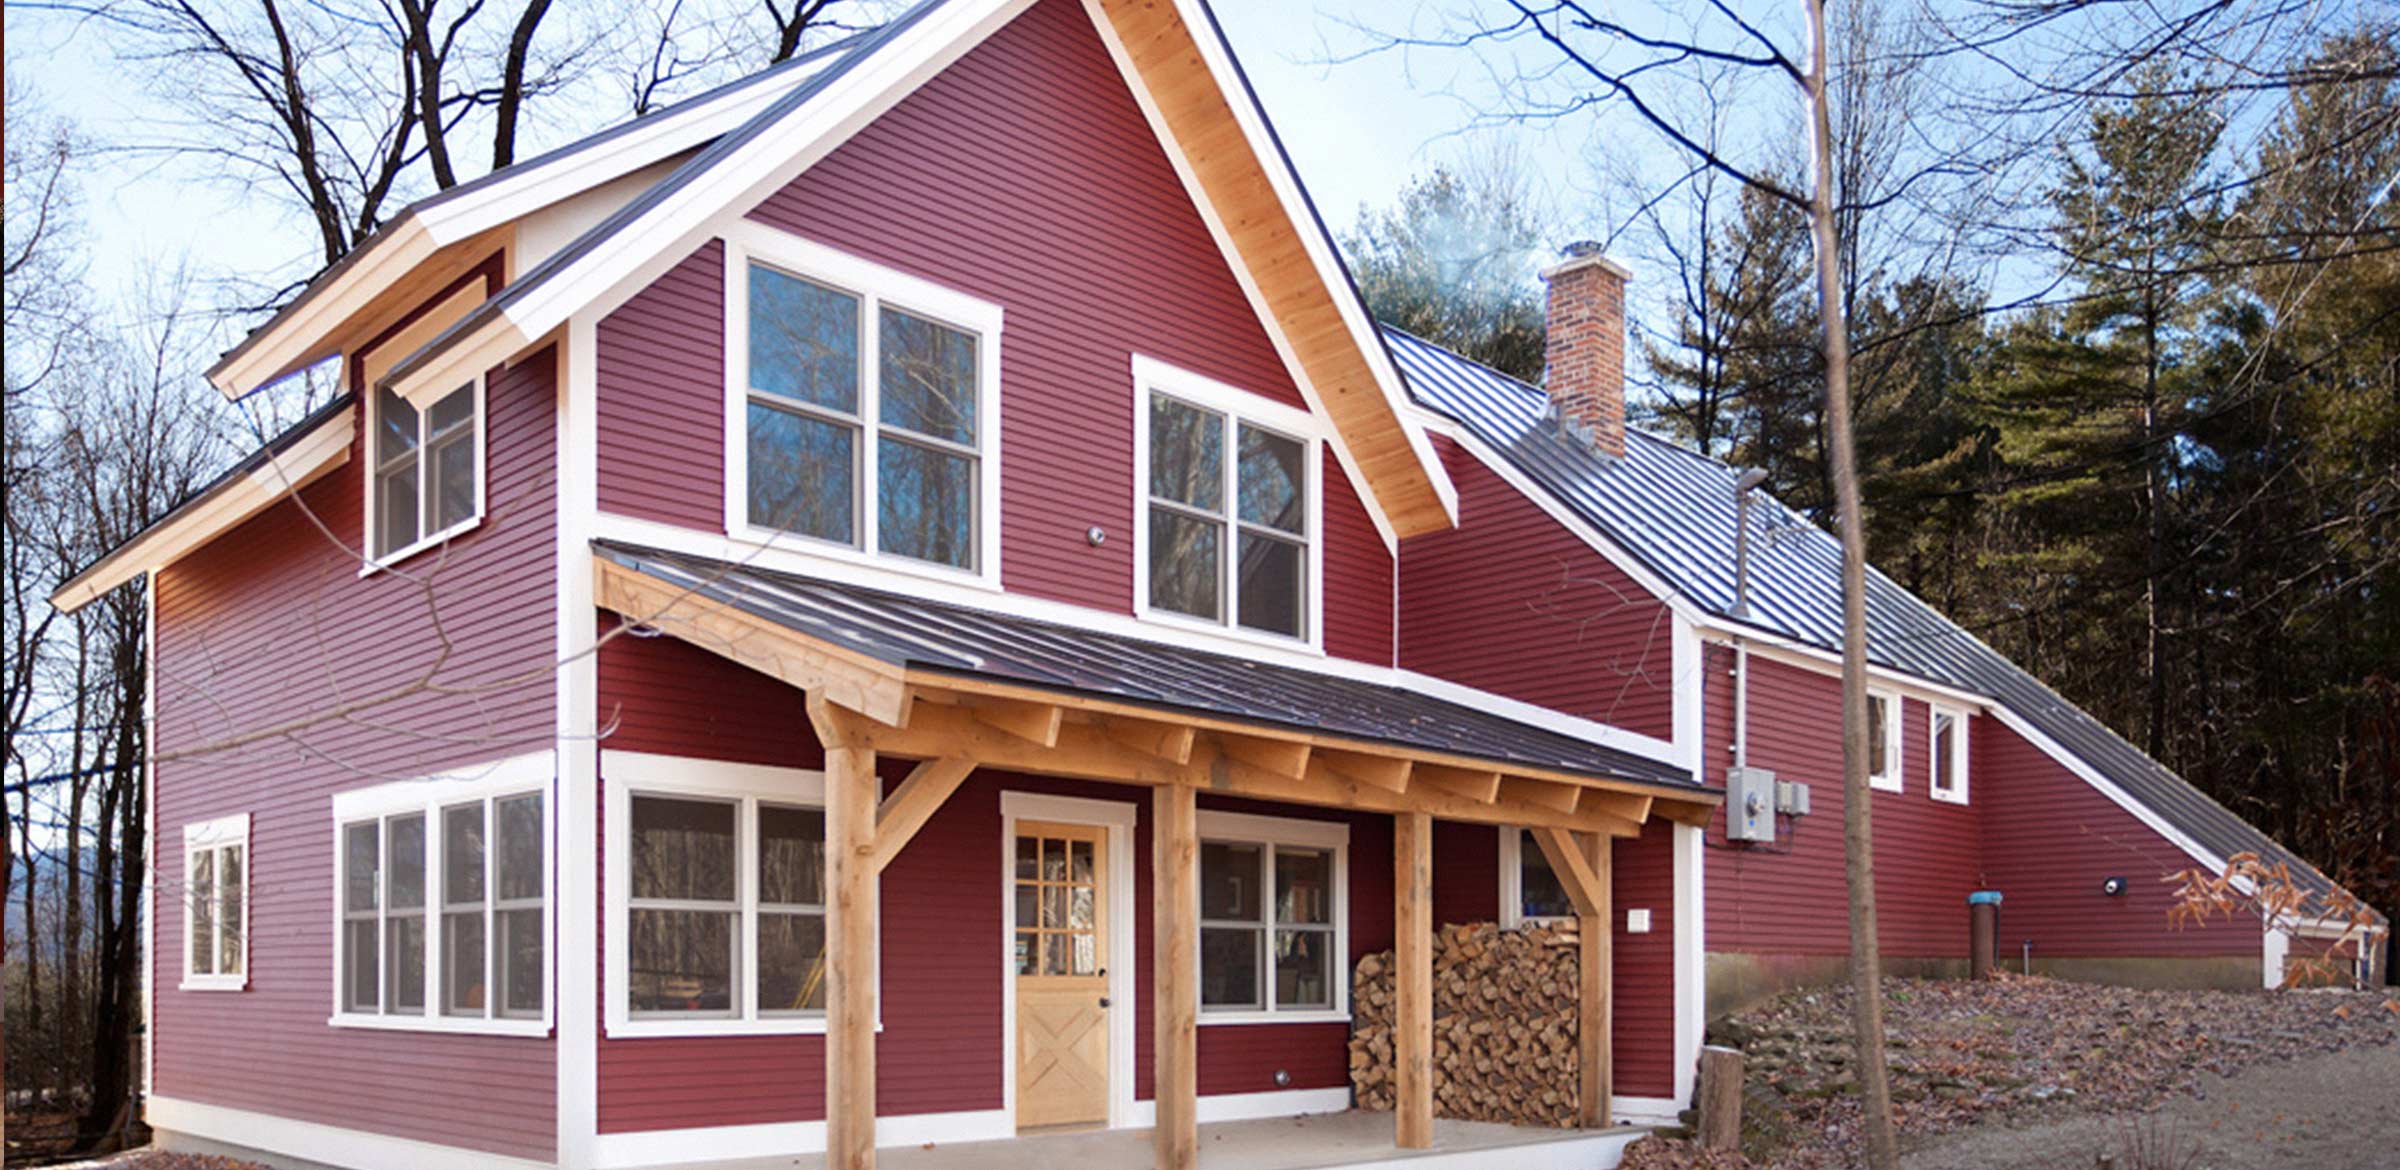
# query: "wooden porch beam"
1277, 757
1035, 723
1176, 979
867, 685
1465, 783
1628, 806
1171, 742
1389, 773
851, 793
909, 806
1574, 871
1559, 798
1412, 980
1596, 997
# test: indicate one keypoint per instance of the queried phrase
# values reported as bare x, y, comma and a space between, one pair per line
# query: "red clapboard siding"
2050, 839
1025, 175
1466, 873
1791, 897
1512, 602
268, 624
1642, 1047
661, 400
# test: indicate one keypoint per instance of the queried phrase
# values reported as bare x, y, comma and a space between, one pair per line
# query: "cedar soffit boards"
1272, 229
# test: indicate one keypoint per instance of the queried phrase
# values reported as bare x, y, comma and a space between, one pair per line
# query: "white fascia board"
1574, 726
2108, 788
423, 230
1364, 332
1792, 652
628, 258
319, 451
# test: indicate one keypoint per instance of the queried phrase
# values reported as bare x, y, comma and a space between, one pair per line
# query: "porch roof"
921, 635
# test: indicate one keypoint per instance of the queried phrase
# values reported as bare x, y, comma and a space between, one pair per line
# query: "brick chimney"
1586, 348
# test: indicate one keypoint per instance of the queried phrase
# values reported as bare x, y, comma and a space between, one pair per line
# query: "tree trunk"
1866, 961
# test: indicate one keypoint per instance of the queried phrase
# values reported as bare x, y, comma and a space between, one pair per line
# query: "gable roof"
1672, 509
1176, 61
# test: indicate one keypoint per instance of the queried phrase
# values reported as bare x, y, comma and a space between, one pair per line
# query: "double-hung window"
1272, 921
426, 469
716, 897
1949, 755
1883, 740
867, 409
444, 901
216, 856
1228, 531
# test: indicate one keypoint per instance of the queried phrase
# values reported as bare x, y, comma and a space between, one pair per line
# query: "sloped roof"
955, 639
1673, 510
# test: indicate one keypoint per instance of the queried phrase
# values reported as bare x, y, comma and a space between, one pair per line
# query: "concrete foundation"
1739, 981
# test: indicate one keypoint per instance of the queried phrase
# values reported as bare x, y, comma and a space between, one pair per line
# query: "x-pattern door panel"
1061, 964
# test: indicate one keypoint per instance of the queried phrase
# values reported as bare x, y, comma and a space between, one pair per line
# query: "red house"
905, 603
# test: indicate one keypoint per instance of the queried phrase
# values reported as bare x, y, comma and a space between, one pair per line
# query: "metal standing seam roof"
1673, 510
954, 639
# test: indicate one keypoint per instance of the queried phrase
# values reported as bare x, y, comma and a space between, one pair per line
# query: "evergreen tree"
1453, 261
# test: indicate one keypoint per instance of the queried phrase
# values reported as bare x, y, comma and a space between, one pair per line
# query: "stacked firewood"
1503, 1025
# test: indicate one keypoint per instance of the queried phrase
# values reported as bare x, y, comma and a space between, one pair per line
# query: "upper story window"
1883, 741
1273, 927
1949, 755
1228, 534
216, 871
427, 469
868, 407
444, 902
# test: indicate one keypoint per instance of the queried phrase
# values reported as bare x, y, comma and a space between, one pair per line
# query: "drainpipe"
1741, 703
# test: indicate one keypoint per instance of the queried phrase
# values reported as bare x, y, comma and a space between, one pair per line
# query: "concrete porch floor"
1352, 1140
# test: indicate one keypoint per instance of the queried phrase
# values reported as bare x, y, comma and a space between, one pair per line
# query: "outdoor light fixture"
2113, 887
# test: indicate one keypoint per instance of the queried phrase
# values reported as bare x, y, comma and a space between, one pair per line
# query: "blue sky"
1357, 130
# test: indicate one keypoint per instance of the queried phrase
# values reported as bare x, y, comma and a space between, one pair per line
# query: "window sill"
1241, 635
643, 1028
214, 983
452, 1024
742, 532
1880, 784
393, 558
1319, 1016
1957, 798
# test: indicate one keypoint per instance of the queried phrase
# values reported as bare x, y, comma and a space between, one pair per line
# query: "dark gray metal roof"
1672, 509
953, 639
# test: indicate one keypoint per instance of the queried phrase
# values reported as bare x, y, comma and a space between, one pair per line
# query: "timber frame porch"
864, 704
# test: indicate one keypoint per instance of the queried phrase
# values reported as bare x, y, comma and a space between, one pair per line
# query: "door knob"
1103, 1001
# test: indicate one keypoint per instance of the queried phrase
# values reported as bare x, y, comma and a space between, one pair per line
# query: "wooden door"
1061, 962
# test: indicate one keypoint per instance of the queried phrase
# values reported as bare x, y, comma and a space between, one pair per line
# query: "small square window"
427, 471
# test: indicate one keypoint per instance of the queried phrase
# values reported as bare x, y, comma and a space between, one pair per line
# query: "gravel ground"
2333, 1112
2093, 1066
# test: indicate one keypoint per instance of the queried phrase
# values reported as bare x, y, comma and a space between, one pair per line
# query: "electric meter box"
1749, 804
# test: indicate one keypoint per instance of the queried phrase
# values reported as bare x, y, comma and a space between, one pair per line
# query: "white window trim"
1512, 882
874, 285
375, 562
205, 836
1955, 790
516, 776
1891, 779
1238, 406
1267, 831
627, 774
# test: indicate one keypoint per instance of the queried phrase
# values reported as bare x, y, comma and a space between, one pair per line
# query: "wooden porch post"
851, 795
1595, 1004
1412, 979
1175, 979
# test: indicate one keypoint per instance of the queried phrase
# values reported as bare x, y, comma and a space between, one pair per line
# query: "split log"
1504, 1027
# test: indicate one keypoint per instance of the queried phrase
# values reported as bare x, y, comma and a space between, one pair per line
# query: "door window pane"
803, 340
801, 474
928, 377
1186, 575
926, 503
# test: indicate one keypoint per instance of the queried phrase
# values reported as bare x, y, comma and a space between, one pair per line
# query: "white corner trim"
575, 854
1691, 960
353, 1149
309, 457
1119, 818
1688, 663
